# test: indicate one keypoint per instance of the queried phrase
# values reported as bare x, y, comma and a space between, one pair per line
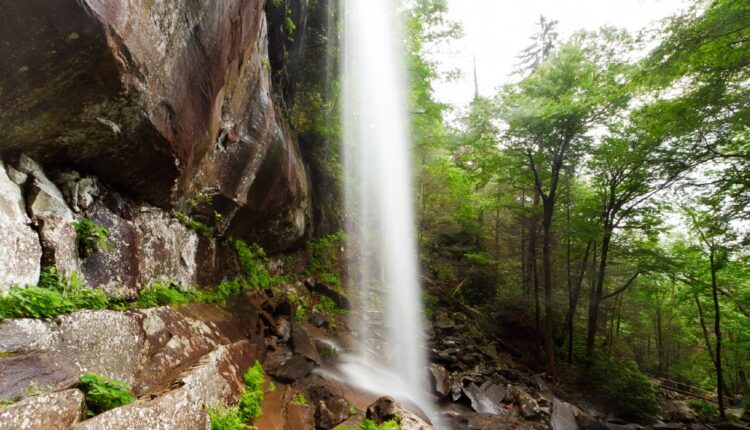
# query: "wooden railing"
686, 390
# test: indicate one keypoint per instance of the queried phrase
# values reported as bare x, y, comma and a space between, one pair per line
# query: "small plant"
352, 410
388, 425
194, 225
300, 315
91, 237
224, 418
271, 387
299, 399
34, 389
102, 394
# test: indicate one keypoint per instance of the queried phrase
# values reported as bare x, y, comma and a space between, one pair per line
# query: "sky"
495, 31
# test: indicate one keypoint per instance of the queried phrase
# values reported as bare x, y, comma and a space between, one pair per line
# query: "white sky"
495, 31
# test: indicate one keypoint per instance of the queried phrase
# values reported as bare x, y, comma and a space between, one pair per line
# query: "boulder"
303, 344
164, 101
20, 251
80, 193
52, 411
216, 378
44, 370
527, 405
292, 369
563, 416
586, 422
485, 399
386, 409
59, 243
329, 414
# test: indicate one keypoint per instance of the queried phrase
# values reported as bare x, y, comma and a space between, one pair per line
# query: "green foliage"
388, 425
55, 295
621, 383
161, 294
34, 389
102, 394
252, 398
324, 258
299, 399
252, 264
195, 225
91, 237
705, 410
224, 418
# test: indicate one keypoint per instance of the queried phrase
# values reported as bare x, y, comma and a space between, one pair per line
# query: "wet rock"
300, 417
176, 338
216, 378
441, 379
180, 107
485, 399
20, 251
42, 369
303, 344
331, 413
292, 369
318, 319
385, 409
563, 416
52, 411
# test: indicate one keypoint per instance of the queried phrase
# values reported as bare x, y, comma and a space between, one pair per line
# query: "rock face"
164, 101
20, 250
52, 411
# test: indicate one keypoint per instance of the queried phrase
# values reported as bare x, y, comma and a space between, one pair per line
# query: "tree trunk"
547, 265
717, 331
573, 298
597, 296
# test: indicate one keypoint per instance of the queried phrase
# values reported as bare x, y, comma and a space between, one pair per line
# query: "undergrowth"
248, 409
102, 394
621, 383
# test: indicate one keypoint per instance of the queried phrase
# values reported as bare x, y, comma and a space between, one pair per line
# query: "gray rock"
20, 251
292, 369
18, 178
52, 411
485, 399
59, 243
168, 250
302, 344
385, 409
46, 370
528, 406
28, 166
563, 416
43, 198
586, 422
80, 193
441, 379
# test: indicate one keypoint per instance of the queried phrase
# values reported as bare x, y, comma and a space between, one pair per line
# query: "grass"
102, 394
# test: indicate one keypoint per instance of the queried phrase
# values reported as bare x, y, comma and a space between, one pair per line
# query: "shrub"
91, 237
54, 295
622, 384
252, 259
224, 418
252, 398
102, 394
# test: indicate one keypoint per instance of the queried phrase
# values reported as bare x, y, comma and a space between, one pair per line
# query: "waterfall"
382, 261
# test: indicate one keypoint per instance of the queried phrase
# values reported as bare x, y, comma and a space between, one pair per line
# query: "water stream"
382, 262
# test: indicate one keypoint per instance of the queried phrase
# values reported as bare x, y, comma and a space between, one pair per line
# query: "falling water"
380, 220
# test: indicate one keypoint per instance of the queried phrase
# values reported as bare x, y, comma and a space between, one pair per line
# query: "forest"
594, 213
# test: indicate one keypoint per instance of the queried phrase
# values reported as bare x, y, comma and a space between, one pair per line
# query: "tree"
549, 115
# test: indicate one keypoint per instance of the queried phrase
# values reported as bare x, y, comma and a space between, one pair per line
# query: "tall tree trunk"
597, 296
717, 332
573, 298
547, 264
